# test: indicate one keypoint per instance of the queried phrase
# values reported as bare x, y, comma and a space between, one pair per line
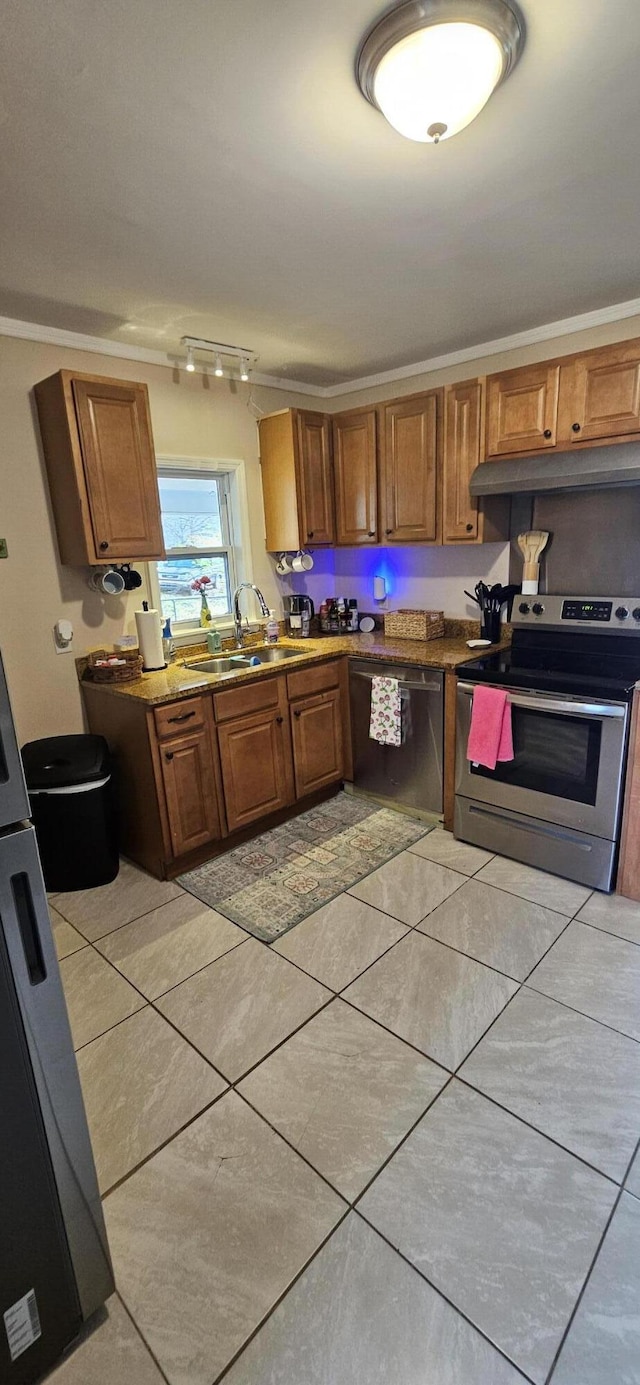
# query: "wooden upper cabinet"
602, 393
522, 410
315, 488
463, 420
297, 483
98, 448
409, 471
355, 472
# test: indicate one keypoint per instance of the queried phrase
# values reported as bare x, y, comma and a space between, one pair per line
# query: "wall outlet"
4, 551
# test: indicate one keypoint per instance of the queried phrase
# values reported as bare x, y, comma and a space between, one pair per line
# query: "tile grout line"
585, 1282
441, 1294
142, 1336
607, 931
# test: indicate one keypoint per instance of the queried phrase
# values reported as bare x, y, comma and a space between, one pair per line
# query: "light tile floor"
390, 1148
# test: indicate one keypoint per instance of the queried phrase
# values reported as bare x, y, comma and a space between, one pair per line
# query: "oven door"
568, 760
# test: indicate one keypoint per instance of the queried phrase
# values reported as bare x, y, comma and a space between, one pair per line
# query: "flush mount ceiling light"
431, 65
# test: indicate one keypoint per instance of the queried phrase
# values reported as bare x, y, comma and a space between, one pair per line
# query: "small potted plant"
200, 586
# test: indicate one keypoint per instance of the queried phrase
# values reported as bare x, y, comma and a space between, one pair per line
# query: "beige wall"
35, 590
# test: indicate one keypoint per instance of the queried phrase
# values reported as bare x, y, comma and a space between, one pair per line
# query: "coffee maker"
300, 611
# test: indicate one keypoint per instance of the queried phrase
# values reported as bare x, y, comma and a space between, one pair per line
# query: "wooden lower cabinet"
255, 760
316, 733
189, 780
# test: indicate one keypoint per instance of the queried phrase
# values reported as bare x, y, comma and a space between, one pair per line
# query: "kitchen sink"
220, 666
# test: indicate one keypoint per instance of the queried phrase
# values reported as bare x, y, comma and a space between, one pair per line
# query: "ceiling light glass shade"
431, 65
436, 81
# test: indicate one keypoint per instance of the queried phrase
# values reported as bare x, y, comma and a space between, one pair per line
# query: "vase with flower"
200, 586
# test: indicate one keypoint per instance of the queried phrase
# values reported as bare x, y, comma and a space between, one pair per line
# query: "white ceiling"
209, 167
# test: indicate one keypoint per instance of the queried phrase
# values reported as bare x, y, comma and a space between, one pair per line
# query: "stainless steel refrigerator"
55, 1269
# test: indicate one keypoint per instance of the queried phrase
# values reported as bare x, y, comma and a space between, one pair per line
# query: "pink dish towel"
491, 734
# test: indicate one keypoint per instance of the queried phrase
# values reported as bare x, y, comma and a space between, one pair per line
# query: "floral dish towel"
385, 725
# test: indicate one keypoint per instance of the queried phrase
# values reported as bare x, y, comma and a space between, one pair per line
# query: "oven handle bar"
549, 704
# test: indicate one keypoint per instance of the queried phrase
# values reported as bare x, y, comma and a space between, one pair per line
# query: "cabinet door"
189, 778
315, 490
462, 452
354, 450
605, 393
120, 468
522, 410
316, 727
255, 758
410, 469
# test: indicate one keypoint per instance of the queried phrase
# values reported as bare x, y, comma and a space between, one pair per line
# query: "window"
196, 522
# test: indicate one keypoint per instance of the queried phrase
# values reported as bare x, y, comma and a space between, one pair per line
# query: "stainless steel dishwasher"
411, 773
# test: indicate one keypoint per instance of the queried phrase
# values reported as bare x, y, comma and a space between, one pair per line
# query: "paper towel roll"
150, 639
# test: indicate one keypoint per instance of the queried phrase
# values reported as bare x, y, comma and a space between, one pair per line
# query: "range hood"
588, 468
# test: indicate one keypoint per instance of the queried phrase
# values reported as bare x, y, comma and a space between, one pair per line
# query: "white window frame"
239, 549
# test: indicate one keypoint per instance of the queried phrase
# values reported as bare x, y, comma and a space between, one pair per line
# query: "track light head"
218, 367
190, 361
244, 369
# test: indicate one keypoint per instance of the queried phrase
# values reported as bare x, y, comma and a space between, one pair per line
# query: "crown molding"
78, 341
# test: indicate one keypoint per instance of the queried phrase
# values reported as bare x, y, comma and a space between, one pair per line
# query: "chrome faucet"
237, 618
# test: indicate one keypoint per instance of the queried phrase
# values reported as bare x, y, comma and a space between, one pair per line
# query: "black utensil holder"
490, 629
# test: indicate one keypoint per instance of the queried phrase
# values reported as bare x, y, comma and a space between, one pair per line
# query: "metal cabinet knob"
104, 545
388, 531
310, 533
372, 533
297, 714
469, 528
575, 427
168, 754
279, 720
547, 432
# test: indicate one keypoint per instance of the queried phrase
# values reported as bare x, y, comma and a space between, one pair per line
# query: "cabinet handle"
388, 531
310, 533
168, 754
469, 528
372, 533
279, 720
297, 714
104, 545
575, 427
185, 716
547, 432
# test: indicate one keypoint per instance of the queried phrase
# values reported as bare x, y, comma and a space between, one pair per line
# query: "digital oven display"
586, 610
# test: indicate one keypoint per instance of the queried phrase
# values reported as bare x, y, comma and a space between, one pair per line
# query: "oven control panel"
587, 610
613, 613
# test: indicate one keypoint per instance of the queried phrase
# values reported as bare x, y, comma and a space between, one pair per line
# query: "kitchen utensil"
532, 545
303, 562
107, 581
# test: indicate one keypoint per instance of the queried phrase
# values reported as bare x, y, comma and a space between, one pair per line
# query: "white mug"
283, 565
107, 581
303, 562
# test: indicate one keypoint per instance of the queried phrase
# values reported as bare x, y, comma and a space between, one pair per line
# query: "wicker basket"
114, 673
414, 625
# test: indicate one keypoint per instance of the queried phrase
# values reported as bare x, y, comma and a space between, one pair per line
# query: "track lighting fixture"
236, 359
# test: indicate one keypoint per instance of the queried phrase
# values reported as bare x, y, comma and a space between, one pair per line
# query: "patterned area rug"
271, 883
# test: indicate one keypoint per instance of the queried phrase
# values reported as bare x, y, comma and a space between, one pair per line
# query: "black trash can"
70, 786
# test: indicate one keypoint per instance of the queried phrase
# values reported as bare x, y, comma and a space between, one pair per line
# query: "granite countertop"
180, 680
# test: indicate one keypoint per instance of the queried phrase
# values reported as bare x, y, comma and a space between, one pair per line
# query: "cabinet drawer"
312, 680
239, 702
177, 717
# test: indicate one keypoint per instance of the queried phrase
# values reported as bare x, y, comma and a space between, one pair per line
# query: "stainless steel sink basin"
220, 666
275, 655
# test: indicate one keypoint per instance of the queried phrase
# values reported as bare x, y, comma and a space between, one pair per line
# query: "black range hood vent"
589, 468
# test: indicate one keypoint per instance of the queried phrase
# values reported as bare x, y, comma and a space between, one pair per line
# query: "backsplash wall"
432, 578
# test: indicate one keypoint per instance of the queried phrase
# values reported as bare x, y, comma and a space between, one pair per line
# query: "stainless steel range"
569, 674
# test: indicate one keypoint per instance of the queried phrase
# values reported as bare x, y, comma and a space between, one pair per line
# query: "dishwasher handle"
402, 683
